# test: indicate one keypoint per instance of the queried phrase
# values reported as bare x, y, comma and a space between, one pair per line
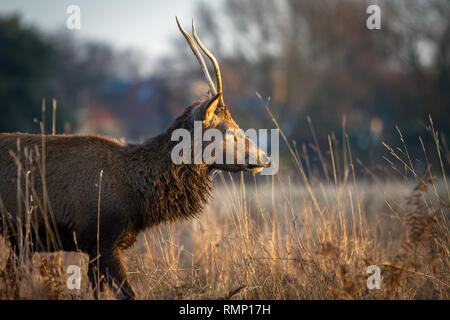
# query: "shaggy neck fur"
167, 191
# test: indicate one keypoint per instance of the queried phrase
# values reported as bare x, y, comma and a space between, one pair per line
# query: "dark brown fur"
141, 188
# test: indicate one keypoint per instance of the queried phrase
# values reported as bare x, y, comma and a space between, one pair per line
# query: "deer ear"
208, 111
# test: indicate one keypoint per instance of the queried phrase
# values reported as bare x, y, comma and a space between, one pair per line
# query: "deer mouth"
263, 162
255, 168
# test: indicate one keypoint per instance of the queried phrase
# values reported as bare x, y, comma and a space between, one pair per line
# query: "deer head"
238, 152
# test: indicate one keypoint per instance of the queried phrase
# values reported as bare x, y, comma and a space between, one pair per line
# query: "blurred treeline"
314, 59
97, 89
318, 59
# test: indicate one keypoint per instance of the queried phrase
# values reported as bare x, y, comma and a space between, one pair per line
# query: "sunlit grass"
284, 237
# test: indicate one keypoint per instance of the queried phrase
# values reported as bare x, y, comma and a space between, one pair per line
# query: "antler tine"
212, 58
198, 56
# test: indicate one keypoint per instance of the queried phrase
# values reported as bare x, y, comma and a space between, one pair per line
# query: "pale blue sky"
146, 25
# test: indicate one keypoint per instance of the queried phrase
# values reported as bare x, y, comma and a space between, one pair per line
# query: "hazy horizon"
146, 27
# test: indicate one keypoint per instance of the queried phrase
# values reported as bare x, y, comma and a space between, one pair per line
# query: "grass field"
281, 237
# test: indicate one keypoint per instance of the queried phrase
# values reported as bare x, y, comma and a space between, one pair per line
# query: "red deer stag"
141, 186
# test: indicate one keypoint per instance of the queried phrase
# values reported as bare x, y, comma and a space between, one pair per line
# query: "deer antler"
199, 58
213, 60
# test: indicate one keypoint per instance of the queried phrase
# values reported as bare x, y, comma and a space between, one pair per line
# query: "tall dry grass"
283, 237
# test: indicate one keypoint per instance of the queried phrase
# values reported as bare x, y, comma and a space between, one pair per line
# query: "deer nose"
265, 160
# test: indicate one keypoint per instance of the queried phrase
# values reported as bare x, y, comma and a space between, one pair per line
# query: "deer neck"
167, 191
